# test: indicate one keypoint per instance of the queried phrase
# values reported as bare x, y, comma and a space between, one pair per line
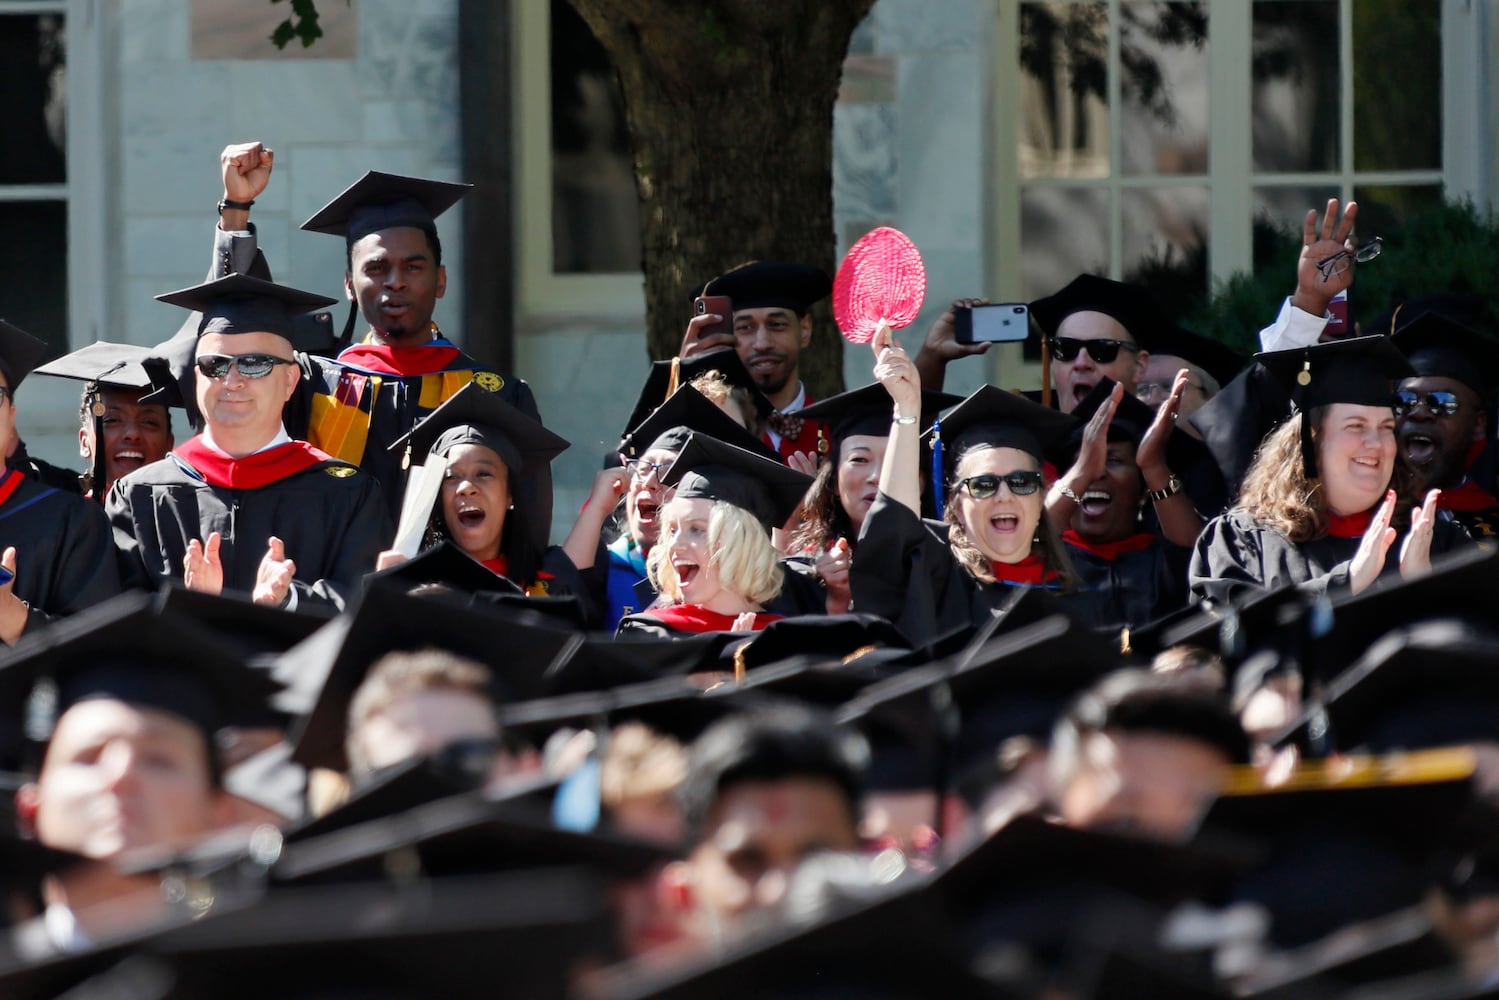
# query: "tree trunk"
730, 110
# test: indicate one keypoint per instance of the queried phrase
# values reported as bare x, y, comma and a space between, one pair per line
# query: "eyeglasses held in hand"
1022, 483
1102, 351
216, 366
1437, 402
1344, 259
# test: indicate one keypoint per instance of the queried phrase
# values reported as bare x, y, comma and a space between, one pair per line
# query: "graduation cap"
1347, 840
474, 415
238, 303
712, 470
462, 835
994, 418
595, 662
1472, 311
868, 410
844, 638
126, 650
385, 201
1132, 418
1357, 370
255, 630
666, 377
118, 366
444, 565
20, 352
516, 645
1133, 307
440, 937
1212, 356
764, 284
688, 410
1439, 346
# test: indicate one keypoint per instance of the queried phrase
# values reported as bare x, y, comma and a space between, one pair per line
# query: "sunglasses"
249, 365
1437, 401
1102, 351
1022, 483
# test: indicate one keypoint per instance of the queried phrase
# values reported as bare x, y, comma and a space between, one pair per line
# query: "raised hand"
895, 371
13, 610
832, 570
694, 343
201, 568
1374, 547
1415, 551
744, 622
1151, 455
273, 578
1315, 289
246, 167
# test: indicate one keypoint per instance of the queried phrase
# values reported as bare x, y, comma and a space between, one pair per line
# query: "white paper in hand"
423, 482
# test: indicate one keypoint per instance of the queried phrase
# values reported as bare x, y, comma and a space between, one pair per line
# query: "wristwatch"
242, 206
1172, 488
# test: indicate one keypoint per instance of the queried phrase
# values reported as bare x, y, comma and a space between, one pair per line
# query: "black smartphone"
997, 322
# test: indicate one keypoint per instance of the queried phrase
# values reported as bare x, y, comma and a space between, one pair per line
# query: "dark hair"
433, 241
522, 554
821, 517
771, 745
1135, 701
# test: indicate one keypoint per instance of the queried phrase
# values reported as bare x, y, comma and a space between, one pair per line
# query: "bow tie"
787, 425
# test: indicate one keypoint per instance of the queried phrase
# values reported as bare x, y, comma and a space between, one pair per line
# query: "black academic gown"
331, 517
904, 570
1133, 588
64, 558
1237, 557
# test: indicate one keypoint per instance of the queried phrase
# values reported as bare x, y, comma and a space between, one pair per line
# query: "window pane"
1382, 207
33, 91
1165, 242
1279, 214
1295, 100
1063, 97
595, 214
1163, 111
1063, 232
34, 257
1397, 84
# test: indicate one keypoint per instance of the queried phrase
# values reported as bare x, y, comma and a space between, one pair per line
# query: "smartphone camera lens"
1018, 310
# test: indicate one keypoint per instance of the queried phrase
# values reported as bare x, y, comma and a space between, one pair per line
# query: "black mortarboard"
446, 938
1431, 684
24, 862
1000, 419
20, 352
659, 384
762, 284
599, 661
385, 201
474, 415
515, 645
115, 365
463, 835
126, 650
686, 411
868, 410
845, 638
1132, 419
1472, 311
1357, 370
711, 470
1444, 347
253, 629
1212, 356
1346, 840
238, 303
446, 565
862, 942
1132, 306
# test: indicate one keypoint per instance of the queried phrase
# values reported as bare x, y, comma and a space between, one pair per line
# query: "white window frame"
541, 291
1231, 179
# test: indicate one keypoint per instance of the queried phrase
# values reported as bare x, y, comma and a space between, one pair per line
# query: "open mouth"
686, 572
1095, 503
1005, 524
1419, 449
470, 516
129, 459
1080, 391
645, 510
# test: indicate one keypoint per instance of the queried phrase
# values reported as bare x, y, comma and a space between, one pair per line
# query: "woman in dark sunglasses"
933, 579
1325, 500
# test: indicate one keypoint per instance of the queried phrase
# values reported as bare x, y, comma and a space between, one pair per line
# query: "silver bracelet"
903, 421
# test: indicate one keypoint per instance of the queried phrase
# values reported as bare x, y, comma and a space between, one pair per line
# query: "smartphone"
996, 322
718, 305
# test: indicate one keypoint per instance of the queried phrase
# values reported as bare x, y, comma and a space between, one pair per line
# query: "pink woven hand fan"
881, 280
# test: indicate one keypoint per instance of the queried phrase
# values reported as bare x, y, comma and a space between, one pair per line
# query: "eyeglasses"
1022, 483
1438, 401
250, 365
1154, 392
1102, 351
1344, 259
641, 469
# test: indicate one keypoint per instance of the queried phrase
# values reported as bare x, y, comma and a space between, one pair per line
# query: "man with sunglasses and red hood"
242, 506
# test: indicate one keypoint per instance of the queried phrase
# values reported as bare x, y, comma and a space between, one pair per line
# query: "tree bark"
729, 105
